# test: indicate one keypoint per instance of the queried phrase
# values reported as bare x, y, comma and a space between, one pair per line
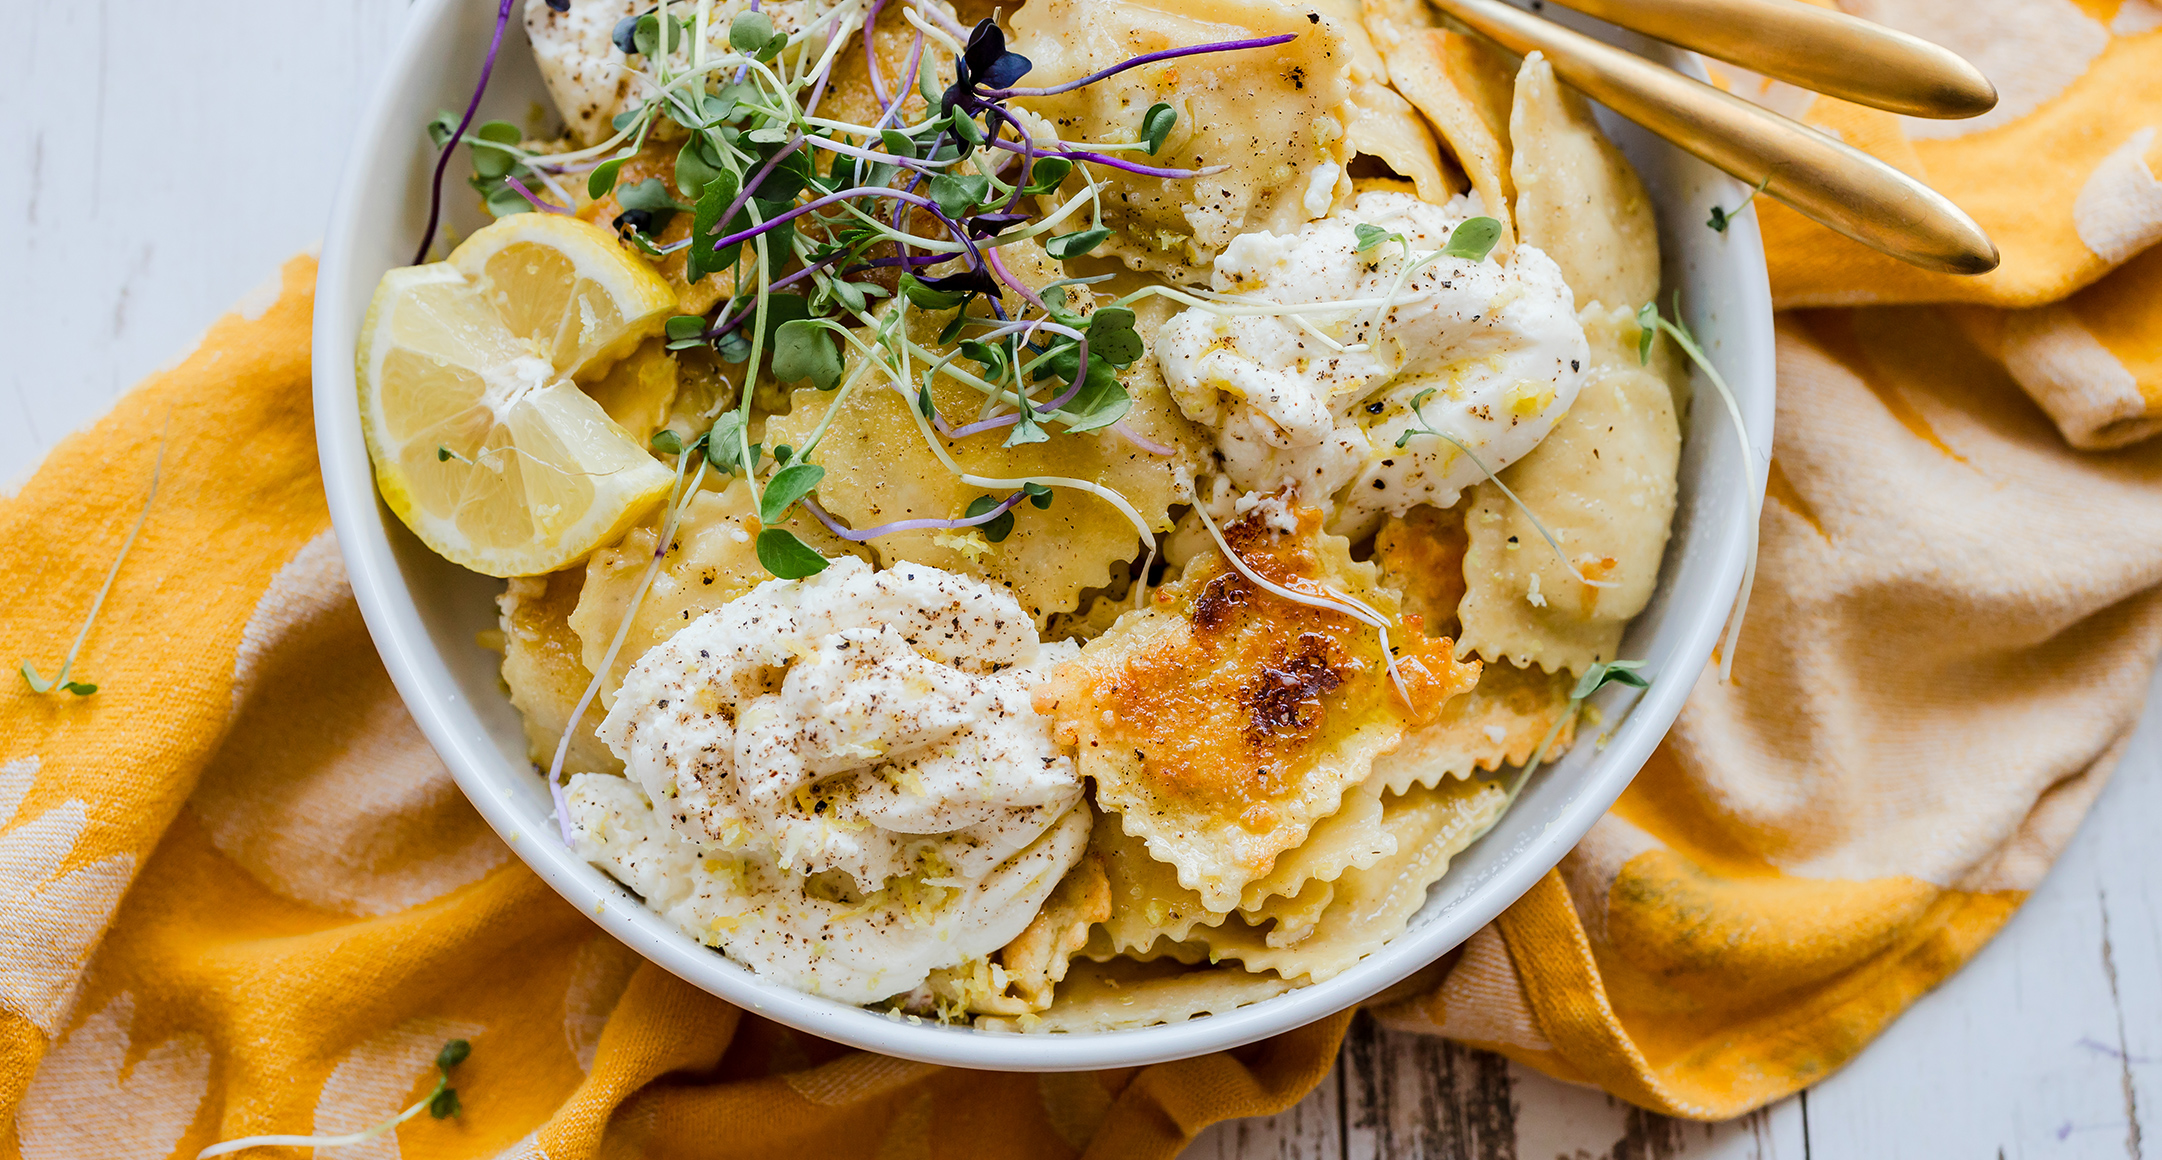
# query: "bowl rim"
432, 695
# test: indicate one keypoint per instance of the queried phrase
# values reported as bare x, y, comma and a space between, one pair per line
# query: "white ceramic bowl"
424, 612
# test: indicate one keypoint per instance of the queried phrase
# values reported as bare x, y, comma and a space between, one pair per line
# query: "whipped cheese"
1499, 345
860, 737
801, 931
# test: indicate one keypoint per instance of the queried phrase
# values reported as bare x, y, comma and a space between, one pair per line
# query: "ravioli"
1276, 120
711, 560
880, 469
1114, 995
1223, 721
1458, 85
1366, 908
1577, 197
1506, 715
543, 670
1604, 484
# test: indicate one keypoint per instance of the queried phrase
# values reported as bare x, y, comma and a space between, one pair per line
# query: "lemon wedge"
482, 441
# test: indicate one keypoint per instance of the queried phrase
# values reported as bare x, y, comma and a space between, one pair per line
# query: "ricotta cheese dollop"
1499, 346
840, 781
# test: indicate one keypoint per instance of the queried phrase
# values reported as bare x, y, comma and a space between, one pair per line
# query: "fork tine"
1826, 180
1817, 48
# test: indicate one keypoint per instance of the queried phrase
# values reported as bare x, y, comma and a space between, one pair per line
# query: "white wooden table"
162, 158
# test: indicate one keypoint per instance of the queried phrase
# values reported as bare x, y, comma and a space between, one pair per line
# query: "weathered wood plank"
1419, 1096
163, 159
2050, 1042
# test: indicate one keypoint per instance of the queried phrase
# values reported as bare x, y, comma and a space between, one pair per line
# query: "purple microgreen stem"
533, 198
442, 159
1137, 62
854, 536
1142, 441
1115, 163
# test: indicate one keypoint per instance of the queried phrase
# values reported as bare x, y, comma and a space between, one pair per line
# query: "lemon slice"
483, 444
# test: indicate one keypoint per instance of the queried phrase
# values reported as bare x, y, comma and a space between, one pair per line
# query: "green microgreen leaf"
713, 201
1473, 238
788, 557
782, 309
992, 356
897, 143
444, 1104
685, 331
1722, 218
38, 684
1028, 430
650, 195
603, 178
453, 1054
801, 350
79, 688
1074, 245
788, 485
1112, 337
490, 159
993, 530
927, 298
958, 194
693, 169
749, 32
667, 442
724, 444
1156, 125
1101, 401
1038, 494
1606, 673
648, 35
1647, 330
1372, 236
782, 453
1046, 174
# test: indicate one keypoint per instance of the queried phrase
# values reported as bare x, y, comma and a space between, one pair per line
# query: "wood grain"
164, 158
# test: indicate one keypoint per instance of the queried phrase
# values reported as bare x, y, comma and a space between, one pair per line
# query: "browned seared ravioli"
1223, 721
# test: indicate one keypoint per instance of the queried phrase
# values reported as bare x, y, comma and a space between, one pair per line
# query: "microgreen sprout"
442, 161
1426, 427
1595, 678
1473, 239
441, 1103
1722, 218
61, 680
1371, 237
1649, 322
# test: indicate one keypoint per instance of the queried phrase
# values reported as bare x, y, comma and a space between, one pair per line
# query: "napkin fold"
239, 893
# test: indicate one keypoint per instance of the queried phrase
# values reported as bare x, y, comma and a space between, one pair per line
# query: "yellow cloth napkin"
239, 894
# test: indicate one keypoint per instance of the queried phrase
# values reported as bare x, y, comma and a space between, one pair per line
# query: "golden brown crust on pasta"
1224, 721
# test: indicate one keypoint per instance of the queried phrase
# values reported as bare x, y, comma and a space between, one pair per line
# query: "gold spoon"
1826, 180
1817, 48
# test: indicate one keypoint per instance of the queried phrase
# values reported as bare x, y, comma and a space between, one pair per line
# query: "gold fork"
1828, 52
